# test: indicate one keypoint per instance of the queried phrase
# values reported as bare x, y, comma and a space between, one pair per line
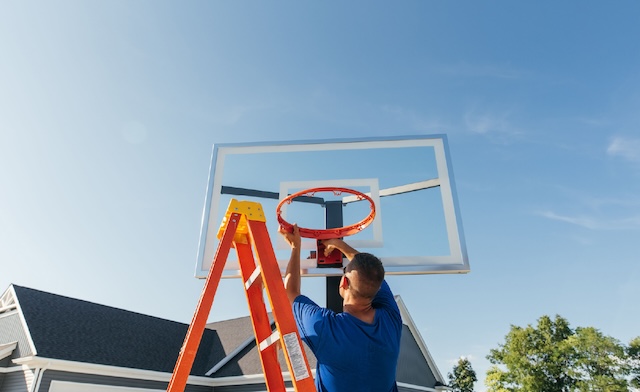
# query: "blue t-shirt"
352, 355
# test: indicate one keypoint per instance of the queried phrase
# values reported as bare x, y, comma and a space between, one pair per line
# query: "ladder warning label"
296, 358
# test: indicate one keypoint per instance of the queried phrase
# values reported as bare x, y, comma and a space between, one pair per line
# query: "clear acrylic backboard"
417, 228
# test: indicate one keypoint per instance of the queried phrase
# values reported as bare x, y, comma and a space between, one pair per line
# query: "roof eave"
35, 362
10, 295
406, 317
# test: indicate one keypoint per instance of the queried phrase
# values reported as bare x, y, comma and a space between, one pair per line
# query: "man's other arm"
336, 243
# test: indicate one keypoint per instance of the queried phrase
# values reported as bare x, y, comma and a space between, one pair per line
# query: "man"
357, 350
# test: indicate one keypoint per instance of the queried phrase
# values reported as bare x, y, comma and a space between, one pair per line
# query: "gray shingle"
76, 330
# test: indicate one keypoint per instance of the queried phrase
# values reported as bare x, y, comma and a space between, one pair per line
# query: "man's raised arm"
292, 275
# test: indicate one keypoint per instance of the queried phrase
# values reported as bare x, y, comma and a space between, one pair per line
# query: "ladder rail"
291, 343
194, 334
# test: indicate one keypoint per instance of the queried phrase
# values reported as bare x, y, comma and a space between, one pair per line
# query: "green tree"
633, 355
533, 359
463, 376
552, 357
600, 362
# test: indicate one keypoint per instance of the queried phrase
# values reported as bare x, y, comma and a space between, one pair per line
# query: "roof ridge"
84, 301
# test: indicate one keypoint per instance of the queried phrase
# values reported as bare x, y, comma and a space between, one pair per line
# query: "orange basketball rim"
324, 234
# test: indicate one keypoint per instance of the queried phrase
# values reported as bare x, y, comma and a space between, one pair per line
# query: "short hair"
370, 274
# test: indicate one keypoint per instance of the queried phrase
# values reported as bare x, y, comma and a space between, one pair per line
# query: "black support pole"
334, 219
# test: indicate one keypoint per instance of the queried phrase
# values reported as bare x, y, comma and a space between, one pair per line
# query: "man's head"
364, 275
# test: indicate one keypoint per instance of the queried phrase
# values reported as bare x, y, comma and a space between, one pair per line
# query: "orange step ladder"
244, 228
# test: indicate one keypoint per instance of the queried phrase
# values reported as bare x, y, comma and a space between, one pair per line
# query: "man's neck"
362, 311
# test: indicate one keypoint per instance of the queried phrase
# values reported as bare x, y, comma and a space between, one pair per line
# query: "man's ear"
344, 282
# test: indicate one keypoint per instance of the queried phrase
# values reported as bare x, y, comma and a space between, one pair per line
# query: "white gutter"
12, 369
35, 386
103, 370
149, 375
414, 387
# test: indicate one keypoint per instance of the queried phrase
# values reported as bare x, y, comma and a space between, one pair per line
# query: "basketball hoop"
324, 234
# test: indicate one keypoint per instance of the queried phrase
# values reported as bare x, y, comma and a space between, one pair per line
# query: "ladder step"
256, 273
275, 337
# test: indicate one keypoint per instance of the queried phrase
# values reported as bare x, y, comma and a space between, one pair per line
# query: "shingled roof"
69, 329
76, 330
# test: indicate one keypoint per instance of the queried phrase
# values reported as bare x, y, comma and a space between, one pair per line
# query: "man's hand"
292, 238
330, 245
336, 243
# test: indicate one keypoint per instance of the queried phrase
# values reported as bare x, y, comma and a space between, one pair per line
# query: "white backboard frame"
457, 260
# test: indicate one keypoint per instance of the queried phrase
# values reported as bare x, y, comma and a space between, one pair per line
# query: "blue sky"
108, 111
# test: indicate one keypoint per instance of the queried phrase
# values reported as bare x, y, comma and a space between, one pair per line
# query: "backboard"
417, 228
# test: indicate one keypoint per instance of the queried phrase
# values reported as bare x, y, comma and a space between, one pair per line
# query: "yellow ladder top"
248, 210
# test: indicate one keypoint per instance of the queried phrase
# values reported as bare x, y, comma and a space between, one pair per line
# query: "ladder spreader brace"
243, 228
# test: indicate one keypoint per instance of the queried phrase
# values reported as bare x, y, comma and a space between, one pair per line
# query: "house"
54, 343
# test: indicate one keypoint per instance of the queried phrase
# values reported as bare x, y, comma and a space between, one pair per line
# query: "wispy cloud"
595, 121
415, 120
482, 70
497, 127
584, 209
598, 203
595, 222
583, 221
625, 148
